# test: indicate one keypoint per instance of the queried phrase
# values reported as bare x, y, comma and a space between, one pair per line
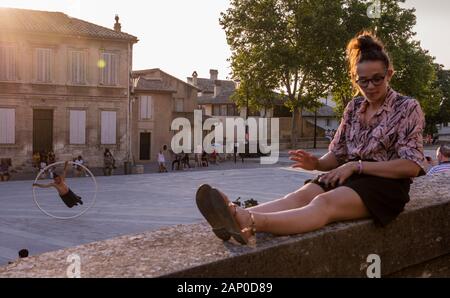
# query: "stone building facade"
158, 99
64, 86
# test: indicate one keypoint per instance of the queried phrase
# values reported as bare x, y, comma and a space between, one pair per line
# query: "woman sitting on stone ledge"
376, 151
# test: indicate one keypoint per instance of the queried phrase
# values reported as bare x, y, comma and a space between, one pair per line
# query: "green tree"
288, 44
298, 47
415, 74
443, 115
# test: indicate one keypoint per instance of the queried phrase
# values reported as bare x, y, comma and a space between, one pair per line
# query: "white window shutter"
146, 107
43, 64
143, 107
7, 63
77, 127
108, 129
150, 107
7, 126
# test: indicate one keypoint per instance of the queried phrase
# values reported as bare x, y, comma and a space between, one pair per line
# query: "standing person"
176, 161
443, 159
108, 164
51, 158
43, 163
236, 149
162, 162
372, 159
198, 156
205, 162
185, 161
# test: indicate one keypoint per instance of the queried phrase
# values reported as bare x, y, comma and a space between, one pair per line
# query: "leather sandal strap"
252, 227
234, 208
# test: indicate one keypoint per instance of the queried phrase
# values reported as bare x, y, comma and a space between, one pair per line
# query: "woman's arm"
394, 169
307, 161
327, 162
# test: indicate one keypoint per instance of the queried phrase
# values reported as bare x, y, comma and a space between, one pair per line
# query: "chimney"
117, 25
214, 74
217, 87
194, 78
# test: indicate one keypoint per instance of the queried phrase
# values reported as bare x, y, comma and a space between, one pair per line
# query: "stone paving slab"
126, 204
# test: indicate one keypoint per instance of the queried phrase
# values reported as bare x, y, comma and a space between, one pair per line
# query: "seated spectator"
79, 171
36, 160
5, 163
107, 151
214, 157
443, 159
108, 164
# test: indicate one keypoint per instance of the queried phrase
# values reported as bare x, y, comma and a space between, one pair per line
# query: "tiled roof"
153, 70
25, 20
222, 98
207, 85
153, 85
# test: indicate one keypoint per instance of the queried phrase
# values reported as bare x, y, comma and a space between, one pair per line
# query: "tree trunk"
301, 123
294, 128
315, 128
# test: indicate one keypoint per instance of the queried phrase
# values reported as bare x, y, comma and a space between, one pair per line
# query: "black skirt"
385, 198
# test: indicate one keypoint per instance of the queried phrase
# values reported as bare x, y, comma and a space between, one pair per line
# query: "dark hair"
55, 175
366, 47
445, 150
23, 253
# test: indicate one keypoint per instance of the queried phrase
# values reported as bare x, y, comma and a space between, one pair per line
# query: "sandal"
207, 210
222, 210
215, 207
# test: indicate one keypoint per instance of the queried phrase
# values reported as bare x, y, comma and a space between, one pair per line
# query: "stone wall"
415, 244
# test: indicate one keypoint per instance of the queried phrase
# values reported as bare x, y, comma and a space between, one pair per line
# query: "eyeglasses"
377, 80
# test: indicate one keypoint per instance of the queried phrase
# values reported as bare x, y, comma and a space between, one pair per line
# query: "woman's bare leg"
294, 200
340, 204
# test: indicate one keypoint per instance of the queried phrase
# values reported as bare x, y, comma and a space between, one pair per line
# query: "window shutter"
7, 126
77, 127
108, 129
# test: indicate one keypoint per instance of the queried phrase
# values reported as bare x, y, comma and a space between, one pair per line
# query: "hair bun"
367, 43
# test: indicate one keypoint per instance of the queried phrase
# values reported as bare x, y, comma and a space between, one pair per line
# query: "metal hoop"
69, 217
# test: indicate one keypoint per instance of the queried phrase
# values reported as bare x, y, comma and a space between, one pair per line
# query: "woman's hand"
339, 175
304, 160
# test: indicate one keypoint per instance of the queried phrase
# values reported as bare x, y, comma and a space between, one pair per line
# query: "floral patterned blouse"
394, 132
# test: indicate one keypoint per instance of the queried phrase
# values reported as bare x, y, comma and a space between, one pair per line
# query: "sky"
180, 36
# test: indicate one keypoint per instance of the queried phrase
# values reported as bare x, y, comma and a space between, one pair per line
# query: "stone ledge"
419, 235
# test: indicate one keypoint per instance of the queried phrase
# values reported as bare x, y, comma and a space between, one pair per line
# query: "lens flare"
101, 63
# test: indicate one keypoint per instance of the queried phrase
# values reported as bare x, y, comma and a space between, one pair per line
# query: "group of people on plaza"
181, 161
